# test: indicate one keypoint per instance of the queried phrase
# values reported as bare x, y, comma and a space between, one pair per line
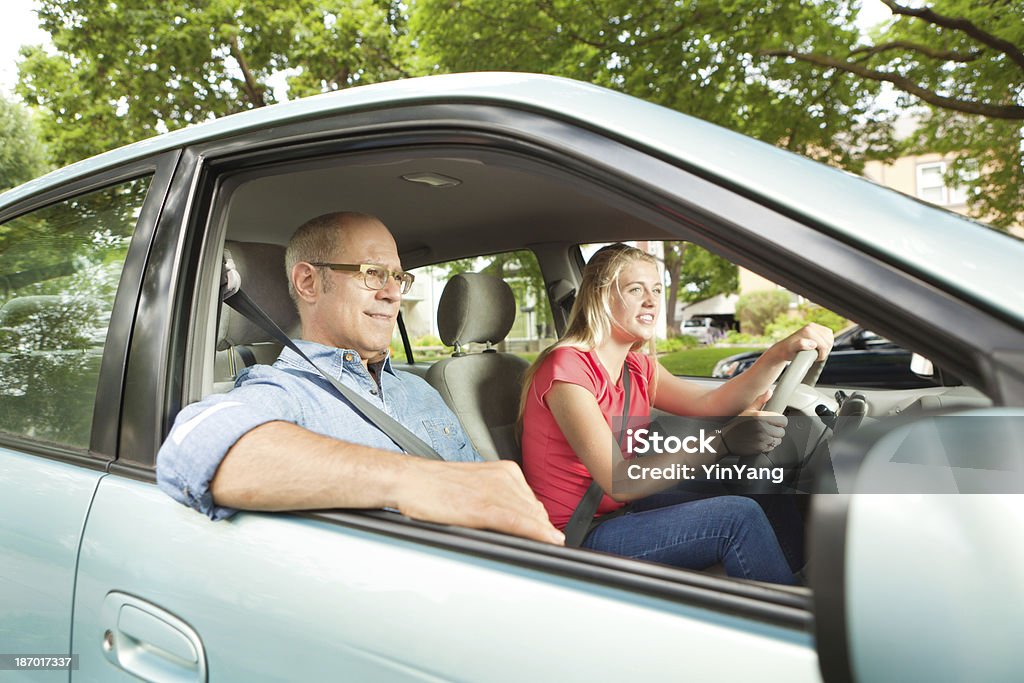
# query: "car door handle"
149, 642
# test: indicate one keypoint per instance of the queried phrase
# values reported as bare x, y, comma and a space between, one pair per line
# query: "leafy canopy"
129, 70
22, 155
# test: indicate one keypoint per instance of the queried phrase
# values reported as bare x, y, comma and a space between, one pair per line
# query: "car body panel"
42, 513
280, 597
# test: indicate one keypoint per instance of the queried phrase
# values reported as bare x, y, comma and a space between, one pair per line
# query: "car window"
717, 318
532, 331
59, 270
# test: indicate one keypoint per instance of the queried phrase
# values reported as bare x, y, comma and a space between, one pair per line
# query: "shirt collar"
329, 358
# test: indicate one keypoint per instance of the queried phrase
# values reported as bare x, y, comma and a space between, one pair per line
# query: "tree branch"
960, 24
947, 55
1010, 112
253, 90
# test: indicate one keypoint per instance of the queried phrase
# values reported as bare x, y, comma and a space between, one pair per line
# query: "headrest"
475, 308
261, 269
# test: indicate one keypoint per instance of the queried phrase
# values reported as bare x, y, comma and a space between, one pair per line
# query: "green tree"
694, 274
22, 156
128, 70
963, 61
700, 58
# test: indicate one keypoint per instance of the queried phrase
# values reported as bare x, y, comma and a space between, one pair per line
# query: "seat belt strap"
247, 356
402, 436
579, 524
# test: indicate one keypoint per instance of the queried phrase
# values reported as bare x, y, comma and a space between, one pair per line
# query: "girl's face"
636, 302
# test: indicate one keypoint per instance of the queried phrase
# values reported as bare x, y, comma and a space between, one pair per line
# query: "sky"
20, 26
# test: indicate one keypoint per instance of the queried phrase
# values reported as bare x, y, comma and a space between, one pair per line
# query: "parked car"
96, 561
703, 329
859, 358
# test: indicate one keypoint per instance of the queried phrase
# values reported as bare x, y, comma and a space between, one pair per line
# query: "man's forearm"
281, 466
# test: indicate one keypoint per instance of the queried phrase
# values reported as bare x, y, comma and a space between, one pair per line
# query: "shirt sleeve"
565, 364
204, 432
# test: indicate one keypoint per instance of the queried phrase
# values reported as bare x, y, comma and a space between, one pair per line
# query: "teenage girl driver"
575, 388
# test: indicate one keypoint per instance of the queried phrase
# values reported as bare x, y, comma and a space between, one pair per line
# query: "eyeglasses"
375, 277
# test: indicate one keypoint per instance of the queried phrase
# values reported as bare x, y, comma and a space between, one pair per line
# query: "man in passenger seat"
283, 439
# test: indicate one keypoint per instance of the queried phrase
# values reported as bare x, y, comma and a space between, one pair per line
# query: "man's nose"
392, 290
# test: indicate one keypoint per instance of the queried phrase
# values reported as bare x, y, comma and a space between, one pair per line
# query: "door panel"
42, 512
274, 596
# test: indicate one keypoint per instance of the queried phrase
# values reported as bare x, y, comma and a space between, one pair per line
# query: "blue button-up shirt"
293, 391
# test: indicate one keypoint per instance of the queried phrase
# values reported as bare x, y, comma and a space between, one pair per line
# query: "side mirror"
919, 365
912, 579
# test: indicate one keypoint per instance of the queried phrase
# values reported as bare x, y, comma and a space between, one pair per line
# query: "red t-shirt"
556, 475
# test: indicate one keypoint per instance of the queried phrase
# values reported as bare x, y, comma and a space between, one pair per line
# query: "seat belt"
579, 524
401, 435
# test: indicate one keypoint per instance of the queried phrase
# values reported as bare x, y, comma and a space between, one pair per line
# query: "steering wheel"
804, 368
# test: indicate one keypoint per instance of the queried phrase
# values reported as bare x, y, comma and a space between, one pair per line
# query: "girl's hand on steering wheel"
810, 336
754, 430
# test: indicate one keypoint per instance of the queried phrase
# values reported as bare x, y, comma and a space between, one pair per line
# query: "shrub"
823, 316
783, 326
680, 343
426, 340
757, 309
734, 337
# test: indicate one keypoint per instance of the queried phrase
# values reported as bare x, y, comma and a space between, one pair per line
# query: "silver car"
111, 322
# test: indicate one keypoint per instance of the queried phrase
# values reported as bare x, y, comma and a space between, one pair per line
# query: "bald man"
283, 439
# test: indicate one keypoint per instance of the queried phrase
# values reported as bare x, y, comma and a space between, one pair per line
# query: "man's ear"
305, 281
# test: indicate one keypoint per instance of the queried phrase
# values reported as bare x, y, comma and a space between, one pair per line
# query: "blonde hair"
591, 320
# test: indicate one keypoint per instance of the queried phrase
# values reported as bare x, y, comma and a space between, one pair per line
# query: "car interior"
444, 203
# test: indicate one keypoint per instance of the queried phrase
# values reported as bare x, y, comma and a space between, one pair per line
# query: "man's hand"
491, 495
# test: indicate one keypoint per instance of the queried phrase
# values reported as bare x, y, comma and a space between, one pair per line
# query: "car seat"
241, 342
481, 388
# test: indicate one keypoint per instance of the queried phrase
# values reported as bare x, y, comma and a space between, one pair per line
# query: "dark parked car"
860, 358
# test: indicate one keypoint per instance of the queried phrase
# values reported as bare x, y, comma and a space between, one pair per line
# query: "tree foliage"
129, 70
22, 156
699, 58
694, 274
964, 62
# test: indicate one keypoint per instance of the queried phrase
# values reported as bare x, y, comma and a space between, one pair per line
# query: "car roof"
961, 253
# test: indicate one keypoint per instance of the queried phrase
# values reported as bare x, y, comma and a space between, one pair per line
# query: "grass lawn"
698, 362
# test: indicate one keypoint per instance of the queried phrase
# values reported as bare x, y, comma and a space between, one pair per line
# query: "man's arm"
281, 466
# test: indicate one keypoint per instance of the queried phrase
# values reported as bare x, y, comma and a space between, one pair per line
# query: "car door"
163, 593
70, 259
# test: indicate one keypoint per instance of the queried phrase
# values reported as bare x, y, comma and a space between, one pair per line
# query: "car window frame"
748, 231
103, 440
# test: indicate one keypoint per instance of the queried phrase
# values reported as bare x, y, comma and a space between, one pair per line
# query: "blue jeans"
697, 534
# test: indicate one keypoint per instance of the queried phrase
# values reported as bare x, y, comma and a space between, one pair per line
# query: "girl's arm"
680, 397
